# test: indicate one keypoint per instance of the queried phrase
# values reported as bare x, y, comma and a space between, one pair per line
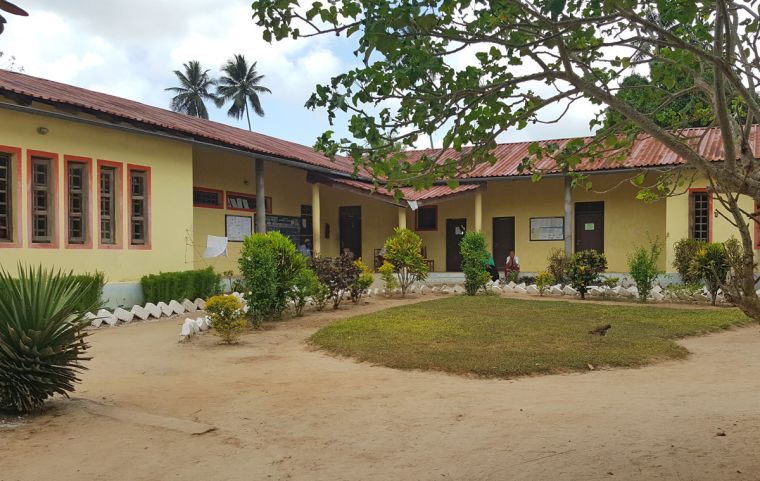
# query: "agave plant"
42, 342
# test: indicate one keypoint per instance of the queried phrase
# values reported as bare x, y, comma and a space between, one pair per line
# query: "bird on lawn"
601, 330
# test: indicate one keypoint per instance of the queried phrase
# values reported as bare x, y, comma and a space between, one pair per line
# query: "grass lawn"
492, 336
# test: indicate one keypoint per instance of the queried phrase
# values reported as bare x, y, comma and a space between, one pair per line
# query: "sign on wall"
237, 227
547, 228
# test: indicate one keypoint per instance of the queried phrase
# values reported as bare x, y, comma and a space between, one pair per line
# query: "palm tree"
193, 91
239, 84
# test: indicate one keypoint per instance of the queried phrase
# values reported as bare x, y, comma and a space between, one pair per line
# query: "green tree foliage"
240, 85
167, 286
685, 250
42, 342
642, 266
404, 250
710, 263
226, 313
654, 99
269, 264
193, 91
527, 58
474, 262
585, 270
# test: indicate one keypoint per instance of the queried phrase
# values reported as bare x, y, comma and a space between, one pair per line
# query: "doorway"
350, 227
455, 229
589, 226
503, 239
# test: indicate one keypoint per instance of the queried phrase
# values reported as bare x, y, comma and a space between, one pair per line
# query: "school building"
89, 181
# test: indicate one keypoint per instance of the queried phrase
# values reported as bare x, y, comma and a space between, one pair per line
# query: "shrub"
269, 264
226, 313
337, 274
685, 250
42, 342
585, 269
94, 293
610, 281
710, 264
559, 265
474, 262
642, 266
512, 276
165, 286
544, 279
305, 285
404, 250
321, 295
363, 281
388, 275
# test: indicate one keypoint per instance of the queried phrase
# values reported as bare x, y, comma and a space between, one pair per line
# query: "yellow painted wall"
288, 188
627, 220
171, 205
678, 221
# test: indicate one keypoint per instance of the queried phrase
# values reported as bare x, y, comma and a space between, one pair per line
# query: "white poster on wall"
547, 228
238, 227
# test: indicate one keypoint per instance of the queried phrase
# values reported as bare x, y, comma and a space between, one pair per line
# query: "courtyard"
275, 407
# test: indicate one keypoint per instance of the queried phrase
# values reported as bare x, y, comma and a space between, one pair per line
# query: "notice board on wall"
289, 226
547, 228
237, 227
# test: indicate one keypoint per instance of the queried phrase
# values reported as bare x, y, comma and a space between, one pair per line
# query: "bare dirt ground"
283, 411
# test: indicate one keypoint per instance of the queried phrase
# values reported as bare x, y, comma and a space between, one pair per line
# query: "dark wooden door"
455, 229
306, 228
351, 229
589, 226
503, 239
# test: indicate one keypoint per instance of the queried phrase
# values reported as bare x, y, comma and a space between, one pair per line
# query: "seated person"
512, 266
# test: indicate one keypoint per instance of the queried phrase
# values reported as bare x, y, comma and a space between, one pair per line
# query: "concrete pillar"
402, 218
568, 215
316, 219
478, 211
261, 200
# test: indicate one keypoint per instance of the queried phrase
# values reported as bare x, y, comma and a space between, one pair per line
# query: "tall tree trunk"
741, 287
247, 116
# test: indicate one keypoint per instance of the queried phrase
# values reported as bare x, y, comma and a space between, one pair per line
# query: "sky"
130, 48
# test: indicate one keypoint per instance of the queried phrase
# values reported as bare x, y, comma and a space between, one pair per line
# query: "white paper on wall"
215, 247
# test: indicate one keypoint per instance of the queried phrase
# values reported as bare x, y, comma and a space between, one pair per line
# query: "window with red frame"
138, 212
207, 198
6, 198
699, 216
77, 202
43, 194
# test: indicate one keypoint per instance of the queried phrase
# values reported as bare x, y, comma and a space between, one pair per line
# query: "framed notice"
547, 228
237, 227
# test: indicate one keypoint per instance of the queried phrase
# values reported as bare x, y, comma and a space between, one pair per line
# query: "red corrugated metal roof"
645, 152
47, 90
409, 193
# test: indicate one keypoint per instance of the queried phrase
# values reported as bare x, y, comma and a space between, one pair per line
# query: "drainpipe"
568, 214
261, 200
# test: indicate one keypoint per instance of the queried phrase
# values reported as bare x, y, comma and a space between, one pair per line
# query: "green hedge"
166, 286
94, 294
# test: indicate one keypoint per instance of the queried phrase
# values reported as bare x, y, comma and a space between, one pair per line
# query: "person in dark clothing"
492, 268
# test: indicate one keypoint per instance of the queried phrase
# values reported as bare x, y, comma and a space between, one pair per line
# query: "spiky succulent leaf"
42, 342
